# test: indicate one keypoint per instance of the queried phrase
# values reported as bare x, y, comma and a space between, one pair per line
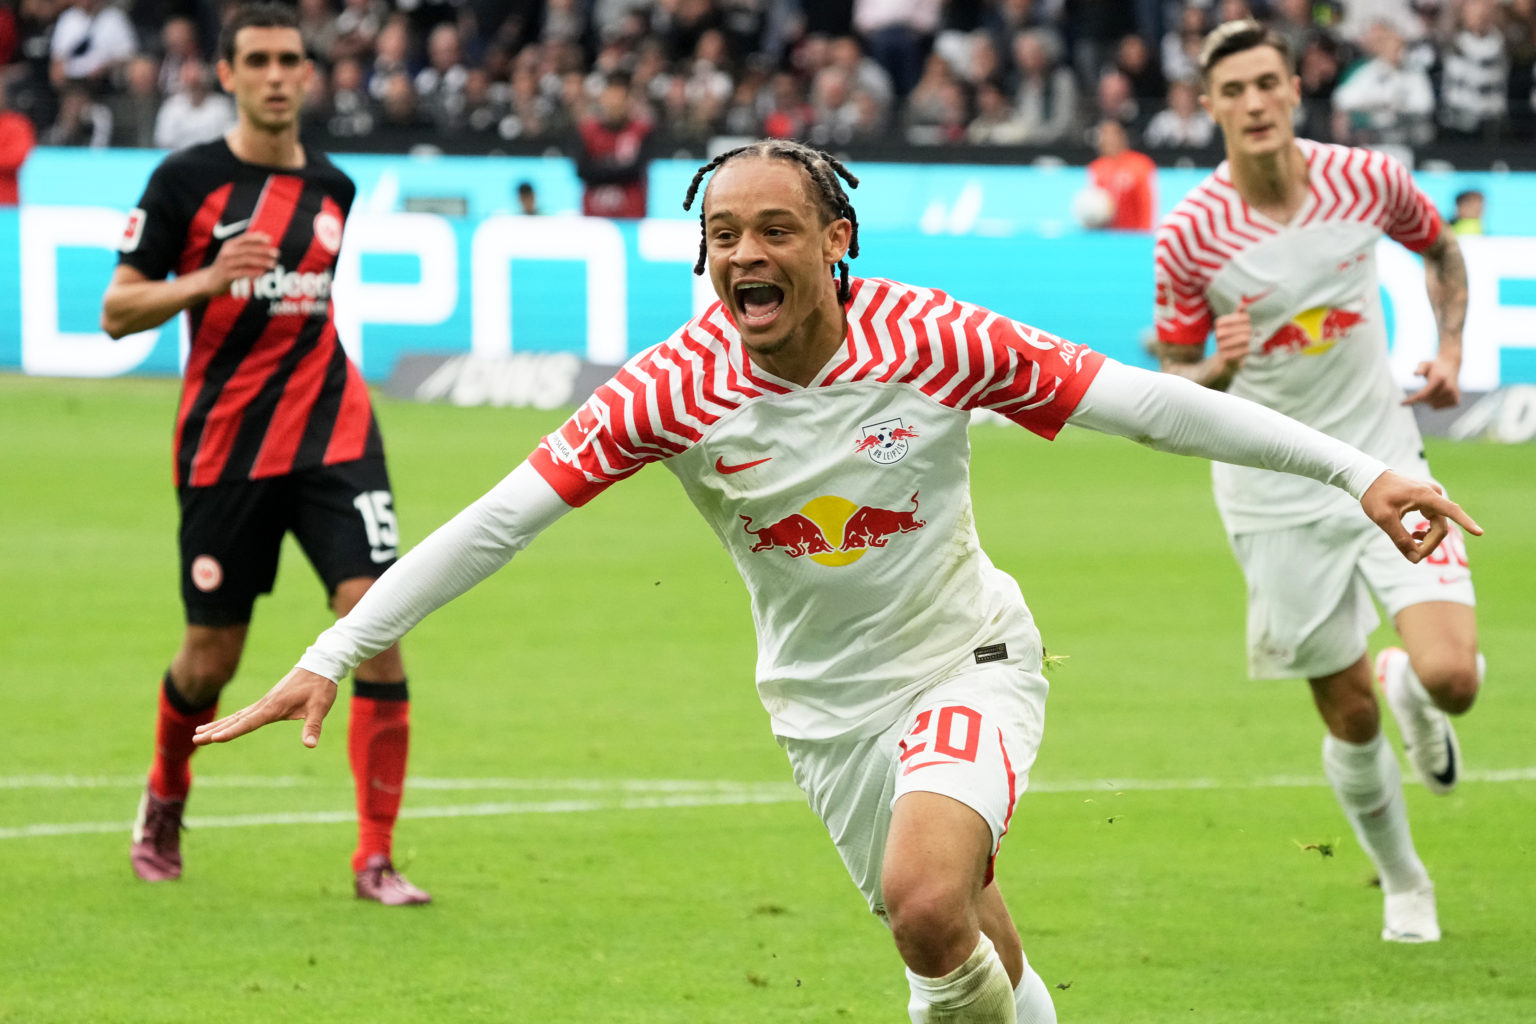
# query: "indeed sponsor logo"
281, 283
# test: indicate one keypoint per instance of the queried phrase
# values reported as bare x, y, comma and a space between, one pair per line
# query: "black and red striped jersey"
268, 388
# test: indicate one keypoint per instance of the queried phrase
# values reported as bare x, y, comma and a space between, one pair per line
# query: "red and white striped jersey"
845, 504
1319, 348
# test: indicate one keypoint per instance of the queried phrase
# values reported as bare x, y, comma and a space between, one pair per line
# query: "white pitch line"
691, 785
769, 794
644, 794
411, 782
1265, 782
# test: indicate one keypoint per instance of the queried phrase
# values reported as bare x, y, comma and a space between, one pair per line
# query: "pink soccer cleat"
380, 882
156, 849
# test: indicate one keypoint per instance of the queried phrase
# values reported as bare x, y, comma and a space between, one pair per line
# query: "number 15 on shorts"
377, 510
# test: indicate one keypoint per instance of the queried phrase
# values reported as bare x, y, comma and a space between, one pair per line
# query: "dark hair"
257, 15
1470, 193
1236, 36
824, 171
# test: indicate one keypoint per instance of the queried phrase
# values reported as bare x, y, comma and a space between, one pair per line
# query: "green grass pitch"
604, 820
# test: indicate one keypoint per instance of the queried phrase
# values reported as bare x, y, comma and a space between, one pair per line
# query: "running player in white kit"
1275, 251
819, 425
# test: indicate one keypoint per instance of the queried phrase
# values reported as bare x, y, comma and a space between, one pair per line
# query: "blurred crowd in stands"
487, 74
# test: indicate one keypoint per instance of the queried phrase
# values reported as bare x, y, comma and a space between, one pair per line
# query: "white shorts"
1310, 612
973, 737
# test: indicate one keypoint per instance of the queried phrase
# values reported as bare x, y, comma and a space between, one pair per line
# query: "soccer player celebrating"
819, 425
275, 431
1275, 251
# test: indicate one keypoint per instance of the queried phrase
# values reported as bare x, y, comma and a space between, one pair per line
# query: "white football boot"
1410, 916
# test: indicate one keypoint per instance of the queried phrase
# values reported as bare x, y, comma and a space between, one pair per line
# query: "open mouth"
759, 302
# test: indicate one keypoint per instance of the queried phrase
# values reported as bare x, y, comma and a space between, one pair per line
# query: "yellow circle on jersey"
831, 513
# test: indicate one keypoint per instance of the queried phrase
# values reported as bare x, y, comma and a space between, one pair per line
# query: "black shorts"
232, 533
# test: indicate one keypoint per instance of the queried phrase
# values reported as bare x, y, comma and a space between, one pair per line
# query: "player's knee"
348, 592
1452, 683
203, 668
1356, 719
929, 923
200, 677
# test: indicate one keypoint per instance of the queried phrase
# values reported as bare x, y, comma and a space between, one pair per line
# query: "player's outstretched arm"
1392, 496
457, 555
299, 694
1171, 414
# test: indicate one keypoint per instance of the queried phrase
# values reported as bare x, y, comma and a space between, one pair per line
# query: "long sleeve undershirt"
1158, 410
1173, 414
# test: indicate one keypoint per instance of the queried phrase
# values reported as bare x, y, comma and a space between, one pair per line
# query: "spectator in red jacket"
1127, 176
613, 153
17, 137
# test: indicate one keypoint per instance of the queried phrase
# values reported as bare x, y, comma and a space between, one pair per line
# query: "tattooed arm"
1233, 333
1445, 277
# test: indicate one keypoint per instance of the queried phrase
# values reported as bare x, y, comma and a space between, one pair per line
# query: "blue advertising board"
493, 281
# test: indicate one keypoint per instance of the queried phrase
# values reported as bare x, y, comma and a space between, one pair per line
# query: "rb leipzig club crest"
885, 442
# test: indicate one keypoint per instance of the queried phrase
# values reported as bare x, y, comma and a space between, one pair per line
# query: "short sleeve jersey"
1319, 348
844, 504
268, 389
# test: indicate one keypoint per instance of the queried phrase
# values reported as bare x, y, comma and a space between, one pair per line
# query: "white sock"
1032, 1000
976, 992
1369, 786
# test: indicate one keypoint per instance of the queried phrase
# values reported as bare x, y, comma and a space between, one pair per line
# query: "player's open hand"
299, 694
1234, 334
1392, 496
1440, 389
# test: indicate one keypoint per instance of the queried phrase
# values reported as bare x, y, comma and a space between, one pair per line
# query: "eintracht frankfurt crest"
886, 441
328, 230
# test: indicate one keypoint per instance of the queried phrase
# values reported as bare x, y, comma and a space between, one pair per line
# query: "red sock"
170, 774
378, 738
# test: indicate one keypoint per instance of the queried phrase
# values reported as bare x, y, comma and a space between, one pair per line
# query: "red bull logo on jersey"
832, 530
1313, 331
885, 442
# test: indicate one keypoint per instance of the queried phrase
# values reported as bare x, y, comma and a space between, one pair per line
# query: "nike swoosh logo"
723, 468
1249, 300
223, 231
909, 769
381, 556
1448, 777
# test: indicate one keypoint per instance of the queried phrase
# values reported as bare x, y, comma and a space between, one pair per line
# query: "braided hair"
824, 171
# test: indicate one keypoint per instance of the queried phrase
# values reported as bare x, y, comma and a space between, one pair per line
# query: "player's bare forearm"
1445, 278
134, 303
1191, 362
